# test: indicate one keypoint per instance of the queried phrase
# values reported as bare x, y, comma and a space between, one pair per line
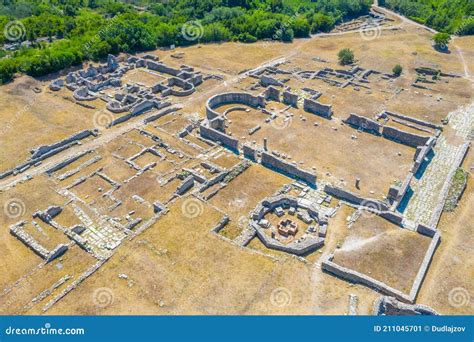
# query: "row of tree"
90, 29
448, 16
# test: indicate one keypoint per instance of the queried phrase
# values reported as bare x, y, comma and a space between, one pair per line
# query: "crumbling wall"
364, 123
212, 134
272, 94
317, 108
41, 150
403, 137
352, 198
290, 99
357, 277
266, 81
249, 152
226, 98
271, 161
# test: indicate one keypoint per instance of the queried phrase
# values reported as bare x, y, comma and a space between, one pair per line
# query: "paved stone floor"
427, 190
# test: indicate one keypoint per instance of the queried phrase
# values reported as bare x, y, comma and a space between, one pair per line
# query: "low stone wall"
82, 94
290, 99
160, 67
424, 266
187, 184
317, 108
222, 223
41, 150
142, 107
18, 232
266, 81
403, 137
66, 162
389, 306
303, 247
414, 120
273, 162
444, 191
363, 123
353, 198
162, 113
226, 98
356, 277
212, 134
425, 230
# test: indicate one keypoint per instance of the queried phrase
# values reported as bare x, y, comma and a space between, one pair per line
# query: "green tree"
322, 23
397, 70
441, 40
346, 56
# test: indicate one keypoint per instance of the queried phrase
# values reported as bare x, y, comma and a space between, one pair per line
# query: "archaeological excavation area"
280, 182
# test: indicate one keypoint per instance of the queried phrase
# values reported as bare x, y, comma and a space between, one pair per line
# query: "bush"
246, 38
441, 40
397, 70
287, 35
346, 56
322, 23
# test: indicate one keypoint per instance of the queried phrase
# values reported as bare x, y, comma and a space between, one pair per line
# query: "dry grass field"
154, 232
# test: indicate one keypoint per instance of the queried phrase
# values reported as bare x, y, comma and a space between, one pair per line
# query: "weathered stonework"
315, 107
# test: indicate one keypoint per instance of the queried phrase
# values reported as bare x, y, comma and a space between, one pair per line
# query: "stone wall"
363, 123
160, 67
424, 266
389, 306
444, 191
273, 162
226, 98
422, 153
266, 81
356, 277
187, 184
249, 152
272, 94
212, 134
290, 99
303, 247
403, 137
414, 120
41, 150
353, 198
317, 108
425, 230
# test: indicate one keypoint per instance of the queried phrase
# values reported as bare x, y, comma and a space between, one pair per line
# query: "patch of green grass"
458, 185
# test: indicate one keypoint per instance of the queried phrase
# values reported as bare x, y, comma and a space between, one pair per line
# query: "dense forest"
61, 33
55, 34
450, 16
